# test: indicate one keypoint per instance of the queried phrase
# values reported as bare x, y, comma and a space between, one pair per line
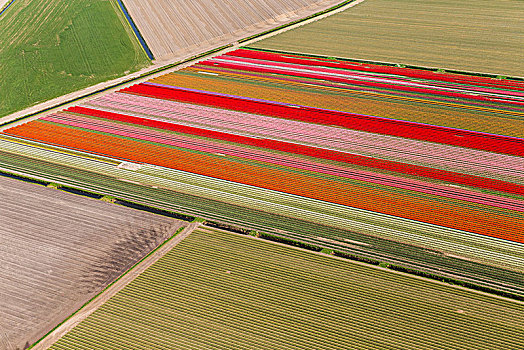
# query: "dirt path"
108, 84
83, 313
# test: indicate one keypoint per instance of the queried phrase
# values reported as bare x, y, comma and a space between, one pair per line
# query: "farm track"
251, 294
373, 247
176, 28
58, 250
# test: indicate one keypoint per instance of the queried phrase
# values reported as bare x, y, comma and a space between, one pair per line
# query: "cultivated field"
246, 129
175, 29
122, 184
219, 290
289, 159
58, 250
50, 48
479, 36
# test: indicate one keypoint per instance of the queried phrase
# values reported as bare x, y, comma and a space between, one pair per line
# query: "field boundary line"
120, 283
370, 265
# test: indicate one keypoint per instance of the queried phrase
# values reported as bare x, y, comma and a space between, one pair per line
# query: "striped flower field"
441, 153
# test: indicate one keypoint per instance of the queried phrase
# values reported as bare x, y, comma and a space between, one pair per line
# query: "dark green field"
51, 48
472, 35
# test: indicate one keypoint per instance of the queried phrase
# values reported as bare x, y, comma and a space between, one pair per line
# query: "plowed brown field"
177, 28
58, 250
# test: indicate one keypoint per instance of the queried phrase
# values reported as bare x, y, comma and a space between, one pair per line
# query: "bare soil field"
175, 28
58, 250
479, 36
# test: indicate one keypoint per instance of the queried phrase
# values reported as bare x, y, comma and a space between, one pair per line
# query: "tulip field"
219, 290
347, 174
305, 138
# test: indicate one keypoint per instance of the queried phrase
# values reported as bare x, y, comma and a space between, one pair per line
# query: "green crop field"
218, 290
472, 35
50, 48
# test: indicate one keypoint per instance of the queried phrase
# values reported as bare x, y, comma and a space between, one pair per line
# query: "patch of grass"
51, 48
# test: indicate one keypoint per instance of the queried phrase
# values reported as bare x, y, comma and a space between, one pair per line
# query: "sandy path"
113, 289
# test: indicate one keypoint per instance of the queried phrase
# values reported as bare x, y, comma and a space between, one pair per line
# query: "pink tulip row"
210, 146
434, 155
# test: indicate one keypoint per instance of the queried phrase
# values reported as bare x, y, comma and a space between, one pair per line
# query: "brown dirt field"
58, 250
175, 28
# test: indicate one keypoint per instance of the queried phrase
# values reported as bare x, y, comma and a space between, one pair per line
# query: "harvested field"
218, 290
58, 250
177, 28
479, 36
50, 48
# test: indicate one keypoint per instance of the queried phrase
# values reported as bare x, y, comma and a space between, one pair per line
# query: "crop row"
155, 189
413, 152
220, 290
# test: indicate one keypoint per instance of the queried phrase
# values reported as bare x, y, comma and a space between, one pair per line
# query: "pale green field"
471, 35
218, 290
51, 48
